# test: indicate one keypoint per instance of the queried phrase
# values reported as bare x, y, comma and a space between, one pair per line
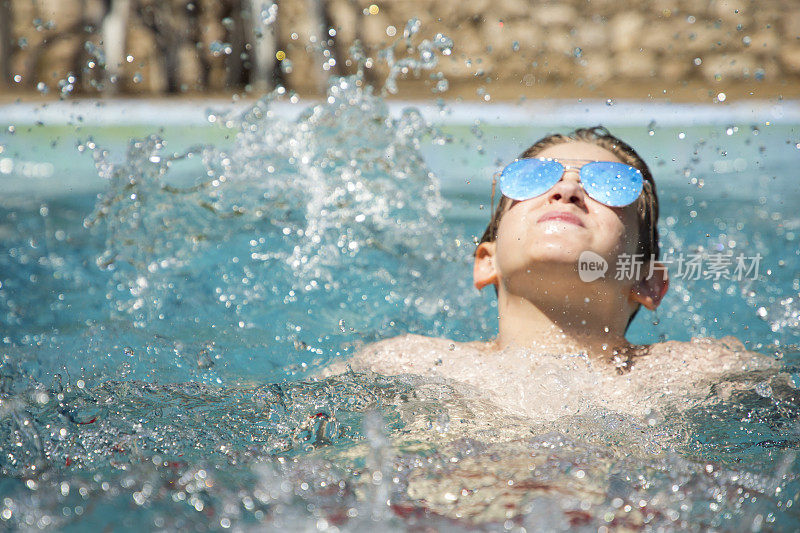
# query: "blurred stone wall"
191, 46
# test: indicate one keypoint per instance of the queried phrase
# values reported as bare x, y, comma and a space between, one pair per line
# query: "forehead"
578, 150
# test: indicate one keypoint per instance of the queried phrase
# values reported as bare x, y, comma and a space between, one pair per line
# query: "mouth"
561, 216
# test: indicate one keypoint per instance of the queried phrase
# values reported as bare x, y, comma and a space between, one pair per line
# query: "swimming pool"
162, 312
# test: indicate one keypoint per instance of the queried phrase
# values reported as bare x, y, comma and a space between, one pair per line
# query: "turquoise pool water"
166, 298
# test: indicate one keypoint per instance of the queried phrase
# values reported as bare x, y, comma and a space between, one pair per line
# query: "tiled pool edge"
122, 112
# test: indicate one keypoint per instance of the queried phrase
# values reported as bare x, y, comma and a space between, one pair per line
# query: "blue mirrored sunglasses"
612, 184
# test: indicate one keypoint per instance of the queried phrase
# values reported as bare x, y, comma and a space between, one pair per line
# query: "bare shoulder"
706, 356
404, 354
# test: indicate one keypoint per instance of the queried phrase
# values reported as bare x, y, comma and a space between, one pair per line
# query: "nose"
568, 189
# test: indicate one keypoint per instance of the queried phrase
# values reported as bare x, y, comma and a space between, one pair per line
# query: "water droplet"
763, 389
204, 360
218, 48
443, 423
412, 27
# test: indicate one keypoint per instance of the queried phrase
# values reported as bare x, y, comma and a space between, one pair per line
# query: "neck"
564, 323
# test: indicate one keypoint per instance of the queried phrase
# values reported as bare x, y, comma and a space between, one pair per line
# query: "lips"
562, 216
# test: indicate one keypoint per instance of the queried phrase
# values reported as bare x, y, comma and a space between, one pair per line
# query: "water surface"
165, 300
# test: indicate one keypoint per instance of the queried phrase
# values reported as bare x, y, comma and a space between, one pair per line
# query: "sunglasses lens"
613, 184
529, 178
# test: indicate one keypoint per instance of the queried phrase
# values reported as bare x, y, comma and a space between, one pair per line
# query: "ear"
484, 272
650, 290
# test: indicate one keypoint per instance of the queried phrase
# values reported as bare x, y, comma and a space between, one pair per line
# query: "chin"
563, 259
549, 264
558, 251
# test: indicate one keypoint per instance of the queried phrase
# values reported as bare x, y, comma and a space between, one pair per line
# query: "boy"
570, 201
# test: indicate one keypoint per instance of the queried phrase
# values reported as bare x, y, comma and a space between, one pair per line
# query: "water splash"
427, 57
346, 451
270, 223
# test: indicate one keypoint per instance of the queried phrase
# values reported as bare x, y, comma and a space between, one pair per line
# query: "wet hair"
646, 204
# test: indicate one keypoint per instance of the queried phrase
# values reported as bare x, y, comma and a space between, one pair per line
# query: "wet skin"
533, 263
550, 231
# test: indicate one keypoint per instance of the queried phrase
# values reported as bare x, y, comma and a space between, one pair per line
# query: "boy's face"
553, 229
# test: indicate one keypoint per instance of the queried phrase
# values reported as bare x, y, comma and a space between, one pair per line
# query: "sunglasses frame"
565, 168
